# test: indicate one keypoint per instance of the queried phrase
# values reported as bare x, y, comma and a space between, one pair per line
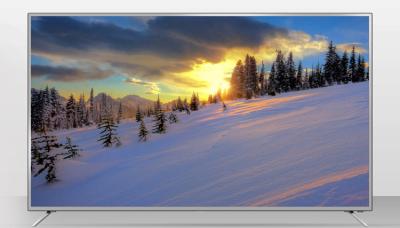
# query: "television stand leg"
42, 218
354, 214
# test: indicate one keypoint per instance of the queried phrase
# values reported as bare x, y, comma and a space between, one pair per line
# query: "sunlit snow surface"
307, 148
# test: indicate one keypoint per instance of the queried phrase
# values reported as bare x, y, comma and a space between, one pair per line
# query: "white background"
13, 72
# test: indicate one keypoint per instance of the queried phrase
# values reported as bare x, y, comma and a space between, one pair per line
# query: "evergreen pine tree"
46, 109
139, 115
224, 107
91, 107
306, 81
104, 109
148, 112
72, 150
272, 83
360, 69
215, 99
210, 98
57, 112
250, 73
108, 131
314, 81
254, 77
219, 94
320, 76
81, 111
281, 73
194, 106
291, 72
299, 77
198, 101
187, 109
159, 120
331, 67
353, 66
236, 83
344, 65
119, 114
143, 132
180, 105
37, 122
261, 80
36, 156
71, 112
172, 118
46, 155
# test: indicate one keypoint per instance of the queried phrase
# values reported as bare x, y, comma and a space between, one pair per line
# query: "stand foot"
354, 214
42, 218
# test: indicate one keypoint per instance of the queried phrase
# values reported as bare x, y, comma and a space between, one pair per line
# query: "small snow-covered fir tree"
159, 120
119, 114
210, 99
36, 110
57, 115
71, 112
72, 150
36, 156
46, 108
186, 108
45, 155
143, 132
81, 112
108, 133
50, 166
172, 118
139, 115
180, 105
224, 107
215, 99
194, 103
91, 107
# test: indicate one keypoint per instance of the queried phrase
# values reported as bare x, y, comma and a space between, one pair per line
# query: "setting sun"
215, 75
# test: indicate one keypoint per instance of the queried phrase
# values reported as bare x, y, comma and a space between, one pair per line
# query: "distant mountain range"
129, 104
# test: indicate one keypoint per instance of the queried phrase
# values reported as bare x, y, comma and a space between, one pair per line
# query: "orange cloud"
349, 46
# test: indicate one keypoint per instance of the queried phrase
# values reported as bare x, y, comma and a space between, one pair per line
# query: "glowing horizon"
161, 55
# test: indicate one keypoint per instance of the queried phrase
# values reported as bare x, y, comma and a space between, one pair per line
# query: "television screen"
213, 112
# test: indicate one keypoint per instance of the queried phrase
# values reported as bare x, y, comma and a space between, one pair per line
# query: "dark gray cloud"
217, 30
65, 34
68, 74
182, 40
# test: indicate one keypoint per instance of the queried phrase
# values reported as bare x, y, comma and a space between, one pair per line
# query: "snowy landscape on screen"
304, 148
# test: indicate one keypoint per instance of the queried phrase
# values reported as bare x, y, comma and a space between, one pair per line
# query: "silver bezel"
370, 61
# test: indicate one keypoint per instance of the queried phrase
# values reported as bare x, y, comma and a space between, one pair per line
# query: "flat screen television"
200, 112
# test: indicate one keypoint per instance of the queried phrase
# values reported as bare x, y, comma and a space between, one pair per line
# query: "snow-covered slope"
307, 148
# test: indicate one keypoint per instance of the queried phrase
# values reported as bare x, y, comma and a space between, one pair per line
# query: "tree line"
50, 111
249, 82
45, 148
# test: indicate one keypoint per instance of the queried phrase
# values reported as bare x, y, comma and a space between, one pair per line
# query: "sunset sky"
175, 55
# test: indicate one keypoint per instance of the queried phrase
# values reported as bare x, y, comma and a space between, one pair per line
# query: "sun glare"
216, 76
